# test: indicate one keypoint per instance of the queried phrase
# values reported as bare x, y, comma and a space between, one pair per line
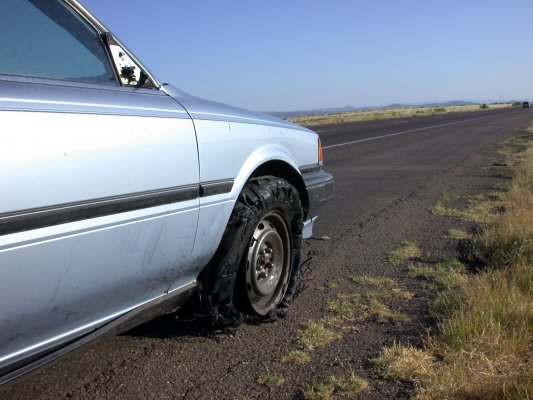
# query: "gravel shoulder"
171, 359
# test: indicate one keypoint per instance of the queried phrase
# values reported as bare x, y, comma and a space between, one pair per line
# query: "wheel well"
285, 171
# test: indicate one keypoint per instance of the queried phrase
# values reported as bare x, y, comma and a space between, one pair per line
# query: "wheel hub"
268, 263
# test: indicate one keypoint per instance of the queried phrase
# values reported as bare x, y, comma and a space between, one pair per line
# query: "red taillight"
320, 155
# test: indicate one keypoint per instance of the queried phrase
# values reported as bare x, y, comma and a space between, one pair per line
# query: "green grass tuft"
271, 380
478, 209
314, 334
295, 357
405, 251
368, 307
444, 275
458, 234
393, 294
343, 386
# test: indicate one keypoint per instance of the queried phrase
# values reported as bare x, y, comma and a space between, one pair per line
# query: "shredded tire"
221, 286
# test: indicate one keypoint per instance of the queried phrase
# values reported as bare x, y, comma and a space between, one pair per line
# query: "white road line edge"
404, 132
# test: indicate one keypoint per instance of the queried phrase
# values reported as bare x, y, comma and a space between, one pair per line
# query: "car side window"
46, 39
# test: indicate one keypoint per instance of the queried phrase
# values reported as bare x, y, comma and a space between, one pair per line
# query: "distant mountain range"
334, 110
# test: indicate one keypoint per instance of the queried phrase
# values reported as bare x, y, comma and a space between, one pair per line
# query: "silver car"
122, 197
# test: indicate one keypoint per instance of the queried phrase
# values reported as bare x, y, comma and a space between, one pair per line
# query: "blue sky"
281, 55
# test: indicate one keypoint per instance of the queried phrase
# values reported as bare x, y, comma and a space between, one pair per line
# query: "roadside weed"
444, 275
368, 307
271, 380
497, 196
438, 208
314, 334
478, 209
404, 362
502, 187
345, 308
347, 386
295, 357
458, 234
319, 391
380, 313
392, 294
343, 386
405, 251
510, 239
484, 345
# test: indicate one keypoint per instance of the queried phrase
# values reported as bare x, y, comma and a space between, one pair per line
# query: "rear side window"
45, 39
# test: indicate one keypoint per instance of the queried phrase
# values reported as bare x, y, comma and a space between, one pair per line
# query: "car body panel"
244, 140
200, 109
104, 143
115, 198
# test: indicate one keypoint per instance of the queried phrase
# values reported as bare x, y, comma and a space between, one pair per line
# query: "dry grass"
315, 334
380, 313
271, 380
510, 239
497, 196
484, 348
405, 251
377, 282
478, 209
295, 357
392, 294
485, 343
405, 363
334, 386
502, 187
346, 309
515, 147
445, 275
368, 307
373, 115
319, 391
458, 234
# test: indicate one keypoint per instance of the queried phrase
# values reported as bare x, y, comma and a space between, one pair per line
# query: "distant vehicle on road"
122, 196
525, 104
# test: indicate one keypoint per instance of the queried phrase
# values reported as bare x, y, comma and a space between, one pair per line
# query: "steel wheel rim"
268, 263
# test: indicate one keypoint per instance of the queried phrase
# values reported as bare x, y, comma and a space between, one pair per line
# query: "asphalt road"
382, 165
376, 162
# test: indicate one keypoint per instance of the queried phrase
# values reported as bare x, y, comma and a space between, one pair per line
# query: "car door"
98, 177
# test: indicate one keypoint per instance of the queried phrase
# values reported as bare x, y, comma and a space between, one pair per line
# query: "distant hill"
335, 110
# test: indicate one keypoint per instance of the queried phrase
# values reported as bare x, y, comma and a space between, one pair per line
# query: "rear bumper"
319, 185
